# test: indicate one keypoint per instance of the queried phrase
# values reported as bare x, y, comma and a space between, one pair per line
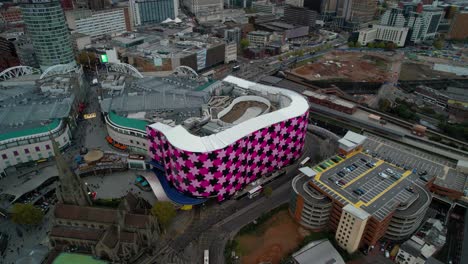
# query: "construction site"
346, 66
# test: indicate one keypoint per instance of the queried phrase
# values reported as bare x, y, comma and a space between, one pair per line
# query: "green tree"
380, 45
26, 214
164, 212
357, 44
351, 44
384, 105
300, 53
268, 191
391, 46
439, 44
244, 43
371, 45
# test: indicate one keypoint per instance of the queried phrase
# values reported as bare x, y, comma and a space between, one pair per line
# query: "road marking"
364, 174
360, 203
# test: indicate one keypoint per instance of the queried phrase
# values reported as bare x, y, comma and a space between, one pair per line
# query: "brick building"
458, 28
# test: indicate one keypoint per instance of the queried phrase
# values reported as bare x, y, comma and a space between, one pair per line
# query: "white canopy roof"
179, 137
308, 171
356, 138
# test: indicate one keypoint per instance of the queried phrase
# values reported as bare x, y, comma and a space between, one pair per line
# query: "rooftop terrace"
201, 107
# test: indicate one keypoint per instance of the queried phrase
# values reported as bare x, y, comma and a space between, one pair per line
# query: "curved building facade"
310, 208
408, 217
28, 145
45, 23
222, 163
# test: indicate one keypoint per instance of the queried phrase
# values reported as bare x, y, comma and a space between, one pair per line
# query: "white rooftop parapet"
179, 137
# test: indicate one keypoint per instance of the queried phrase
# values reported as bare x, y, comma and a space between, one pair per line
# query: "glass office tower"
45, 24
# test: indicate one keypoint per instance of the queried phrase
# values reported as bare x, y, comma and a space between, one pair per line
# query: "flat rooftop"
284, 105
24, 106
381, 195
174, 98
436, 166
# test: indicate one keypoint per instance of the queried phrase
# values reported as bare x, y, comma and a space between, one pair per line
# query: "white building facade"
259, 38
29, 146
231, 52
396, 35
205, 10
126, 134
107, 22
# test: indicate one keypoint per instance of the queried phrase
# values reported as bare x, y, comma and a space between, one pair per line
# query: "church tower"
71, 189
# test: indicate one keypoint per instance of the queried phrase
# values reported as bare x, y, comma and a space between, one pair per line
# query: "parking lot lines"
377, 164
335, 192
360, 203
319, 174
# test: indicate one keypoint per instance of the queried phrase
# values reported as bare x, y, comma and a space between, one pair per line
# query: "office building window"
26, 151
15, 153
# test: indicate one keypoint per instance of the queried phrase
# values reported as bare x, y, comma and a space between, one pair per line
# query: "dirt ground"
281, 236
347, 66
419, 71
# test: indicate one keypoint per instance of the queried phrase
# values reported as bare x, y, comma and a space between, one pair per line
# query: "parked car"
424, 178
422, 173
364, 160
340, 183
358, 191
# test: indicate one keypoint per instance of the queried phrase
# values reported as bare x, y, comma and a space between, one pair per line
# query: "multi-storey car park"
384, 200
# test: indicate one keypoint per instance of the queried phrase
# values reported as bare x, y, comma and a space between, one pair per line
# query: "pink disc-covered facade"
209, 167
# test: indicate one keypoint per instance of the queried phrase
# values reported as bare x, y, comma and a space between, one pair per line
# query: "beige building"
258, 38
230, 53
351, 227
80, 41
396, 35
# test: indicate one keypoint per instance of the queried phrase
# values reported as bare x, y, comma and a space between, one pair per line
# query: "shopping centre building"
33, 109
246, 130
205, 138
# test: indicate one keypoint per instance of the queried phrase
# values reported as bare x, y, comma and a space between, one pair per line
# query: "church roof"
81, 233
99, 215
85, 213
136, 220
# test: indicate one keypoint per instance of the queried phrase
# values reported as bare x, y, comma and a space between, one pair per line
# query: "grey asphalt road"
221, 221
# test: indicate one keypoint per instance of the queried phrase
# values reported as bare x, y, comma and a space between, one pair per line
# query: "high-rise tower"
153, 11
45, 24
71, 190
